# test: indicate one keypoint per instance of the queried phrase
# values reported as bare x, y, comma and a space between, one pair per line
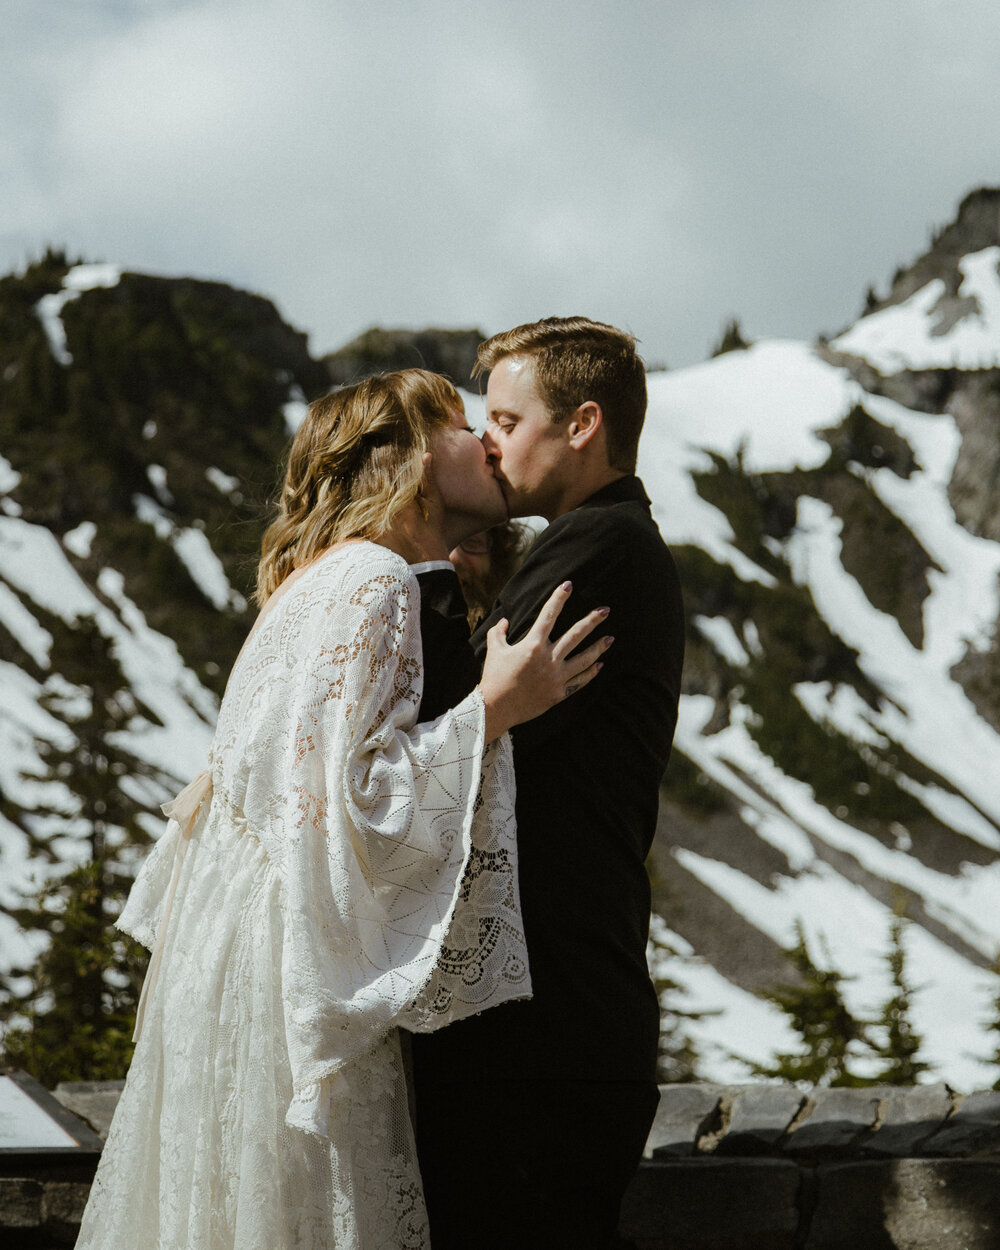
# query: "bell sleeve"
394, 834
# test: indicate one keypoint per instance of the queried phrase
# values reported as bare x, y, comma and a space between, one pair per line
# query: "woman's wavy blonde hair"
354, 465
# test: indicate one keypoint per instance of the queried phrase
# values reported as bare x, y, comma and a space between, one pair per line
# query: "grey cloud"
661, 165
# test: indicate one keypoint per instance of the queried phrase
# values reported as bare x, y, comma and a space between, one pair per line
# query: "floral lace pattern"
350, 873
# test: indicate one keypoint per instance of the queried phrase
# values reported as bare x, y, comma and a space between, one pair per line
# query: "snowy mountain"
838, 746
834, 513
141, 420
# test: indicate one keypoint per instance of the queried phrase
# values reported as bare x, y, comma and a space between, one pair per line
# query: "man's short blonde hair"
577, 360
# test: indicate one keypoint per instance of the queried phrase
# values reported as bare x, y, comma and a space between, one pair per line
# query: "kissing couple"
398, 994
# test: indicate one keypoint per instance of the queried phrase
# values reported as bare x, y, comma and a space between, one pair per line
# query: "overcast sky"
659, 164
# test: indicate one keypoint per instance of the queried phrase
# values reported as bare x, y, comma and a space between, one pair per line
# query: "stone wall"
767, 1167
43, 1190
749, 1167
41, 1212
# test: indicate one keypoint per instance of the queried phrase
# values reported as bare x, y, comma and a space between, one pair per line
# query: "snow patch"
35, 564
929, 715
206, 568
157, 475
294, 409
905, 336
33, 637
79, 540
843, 708
196, 554
766, 403
719, 632
735, 1024
9, 477
49, 308
224, 483
849, 930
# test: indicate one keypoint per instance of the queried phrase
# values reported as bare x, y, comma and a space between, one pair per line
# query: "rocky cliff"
834, 513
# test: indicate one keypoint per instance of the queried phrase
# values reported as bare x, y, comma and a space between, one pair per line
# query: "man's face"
528, 450
470, 493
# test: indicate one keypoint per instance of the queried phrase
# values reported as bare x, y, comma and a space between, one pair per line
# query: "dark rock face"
976, 226
870, 789
451, 352
971, 397
179, 375
974, 490
978, 673
170, 375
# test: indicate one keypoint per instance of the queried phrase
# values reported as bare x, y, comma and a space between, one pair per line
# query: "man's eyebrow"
504, 412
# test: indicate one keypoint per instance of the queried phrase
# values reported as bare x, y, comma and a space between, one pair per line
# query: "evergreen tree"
677, 1055
820, 1016
993, 1024
731, 340
902, 1042
73, 1019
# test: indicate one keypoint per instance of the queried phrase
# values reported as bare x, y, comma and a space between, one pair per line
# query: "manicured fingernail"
567, 586
603, 611
608, 640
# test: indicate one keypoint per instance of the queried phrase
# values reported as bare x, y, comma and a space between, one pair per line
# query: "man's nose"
491, 447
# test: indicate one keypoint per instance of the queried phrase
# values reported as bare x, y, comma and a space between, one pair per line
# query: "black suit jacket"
588, 775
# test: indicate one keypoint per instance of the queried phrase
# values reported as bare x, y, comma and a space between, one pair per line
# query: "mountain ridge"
833, 512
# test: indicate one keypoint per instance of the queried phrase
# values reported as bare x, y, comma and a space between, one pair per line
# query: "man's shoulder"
624, 528
611, 550
603, 518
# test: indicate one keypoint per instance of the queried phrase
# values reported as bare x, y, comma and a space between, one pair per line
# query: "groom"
532, 1117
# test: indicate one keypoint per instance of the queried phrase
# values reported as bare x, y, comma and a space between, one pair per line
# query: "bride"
338, 870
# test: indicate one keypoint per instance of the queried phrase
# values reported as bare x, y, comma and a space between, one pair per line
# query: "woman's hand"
522, 681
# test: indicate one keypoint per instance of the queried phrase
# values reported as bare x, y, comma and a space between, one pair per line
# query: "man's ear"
584, 424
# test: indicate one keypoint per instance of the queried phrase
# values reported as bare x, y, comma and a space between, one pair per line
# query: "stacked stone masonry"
769, 1167
749, 1167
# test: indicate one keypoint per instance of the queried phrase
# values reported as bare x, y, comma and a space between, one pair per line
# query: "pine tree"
677, 1055
820, 1016
902, 1042
731, 340
993, 1024
73, 1019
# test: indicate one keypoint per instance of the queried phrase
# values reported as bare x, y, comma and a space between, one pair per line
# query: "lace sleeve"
377, 822
484, 959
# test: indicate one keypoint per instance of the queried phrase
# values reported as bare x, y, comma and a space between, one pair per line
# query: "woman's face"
469, 492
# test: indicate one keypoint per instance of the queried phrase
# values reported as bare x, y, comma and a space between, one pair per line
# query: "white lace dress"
345, 873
